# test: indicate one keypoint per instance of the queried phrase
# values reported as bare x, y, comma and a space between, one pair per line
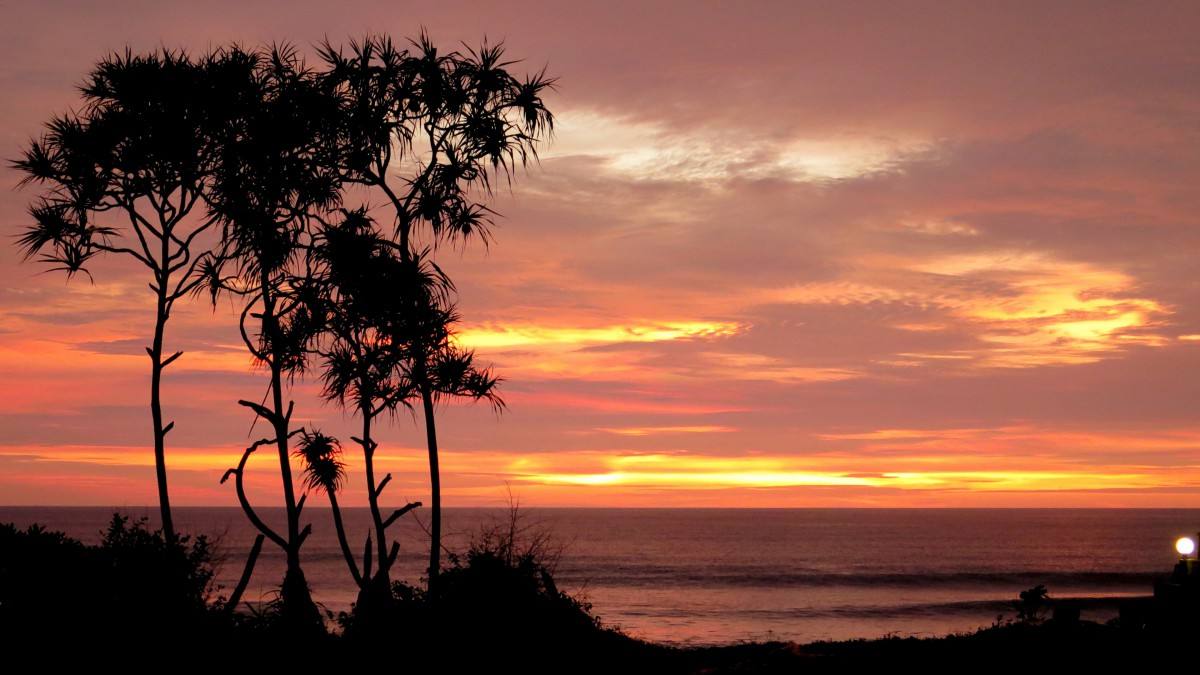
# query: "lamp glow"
1185, 546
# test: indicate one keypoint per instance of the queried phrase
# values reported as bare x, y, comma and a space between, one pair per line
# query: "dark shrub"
1032, 604
134, 583
497, 608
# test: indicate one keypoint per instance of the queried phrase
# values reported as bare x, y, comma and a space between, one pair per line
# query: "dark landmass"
135, 596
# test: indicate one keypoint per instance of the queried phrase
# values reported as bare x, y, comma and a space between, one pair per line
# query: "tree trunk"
373, 496
271, 329
342, 542
156, 368
435, 488
285, 466
297, 599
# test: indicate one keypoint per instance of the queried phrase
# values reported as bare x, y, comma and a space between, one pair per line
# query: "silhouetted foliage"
136, 582
498, 606
124, 176
136, 593
368, 293
389, 341
266, 146
449, 124
1032, 604
325, 471
272, 178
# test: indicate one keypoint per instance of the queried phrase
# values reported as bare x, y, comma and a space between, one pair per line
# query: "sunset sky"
777, 254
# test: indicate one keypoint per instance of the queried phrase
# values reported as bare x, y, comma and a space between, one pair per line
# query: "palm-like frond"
473, 119
61, 237
453, 373
321, 457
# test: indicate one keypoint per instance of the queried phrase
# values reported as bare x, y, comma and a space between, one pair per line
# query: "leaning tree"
432, 132
124, 176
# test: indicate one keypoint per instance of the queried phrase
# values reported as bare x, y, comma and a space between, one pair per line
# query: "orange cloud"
496, 337
688, 471
1028, 310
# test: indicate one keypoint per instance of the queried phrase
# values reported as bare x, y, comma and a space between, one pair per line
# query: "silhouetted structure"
452, 122
137, 155
274, 175
261, 146
369, 293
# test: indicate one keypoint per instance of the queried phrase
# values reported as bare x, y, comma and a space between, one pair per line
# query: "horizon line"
644, 508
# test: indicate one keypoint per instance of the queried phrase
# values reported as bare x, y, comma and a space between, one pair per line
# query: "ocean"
713, 576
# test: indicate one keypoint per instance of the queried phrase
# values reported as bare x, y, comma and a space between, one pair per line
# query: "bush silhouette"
135, 582
1032, 605
497, 604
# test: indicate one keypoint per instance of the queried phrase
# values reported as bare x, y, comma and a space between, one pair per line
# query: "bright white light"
1185, 546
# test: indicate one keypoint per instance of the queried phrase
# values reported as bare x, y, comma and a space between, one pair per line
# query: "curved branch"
239, 474
107, 248
254, 351
382, 484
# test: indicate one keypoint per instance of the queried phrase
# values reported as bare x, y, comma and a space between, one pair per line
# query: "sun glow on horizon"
499, 336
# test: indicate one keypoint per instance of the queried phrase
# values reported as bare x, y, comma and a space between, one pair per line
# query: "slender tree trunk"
247, 572
372, 493
280, 423
295, 592
156, 368
285, 467
342, 541
435, 488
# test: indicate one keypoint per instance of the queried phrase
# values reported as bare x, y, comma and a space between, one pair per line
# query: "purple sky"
777, 254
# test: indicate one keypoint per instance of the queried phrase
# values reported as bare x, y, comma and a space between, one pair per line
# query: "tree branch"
239, 484
261, 411
383, 483
247, 572
400, 512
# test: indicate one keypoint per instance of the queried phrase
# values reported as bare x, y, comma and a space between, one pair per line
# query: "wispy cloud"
922, 267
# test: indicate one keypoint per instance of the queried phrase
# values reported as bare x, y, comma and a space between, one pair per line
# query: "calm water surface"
706, 576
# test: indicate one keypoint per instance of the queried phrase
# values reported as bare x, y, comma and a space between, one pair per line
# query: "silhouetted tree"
440, 369
325, 471
136, 152
366, 284
448, 124
391, 323
272, 178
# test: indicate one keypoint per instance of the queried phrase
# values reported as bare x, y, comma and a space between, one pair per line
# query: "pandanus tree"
439, 370
124, 176
324, 470
364, 283
432, 132
389, 342
271, 180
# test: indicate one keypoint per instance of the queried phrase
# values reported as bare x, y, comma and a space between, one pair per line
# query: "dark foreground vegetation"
315, 197
136, 595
